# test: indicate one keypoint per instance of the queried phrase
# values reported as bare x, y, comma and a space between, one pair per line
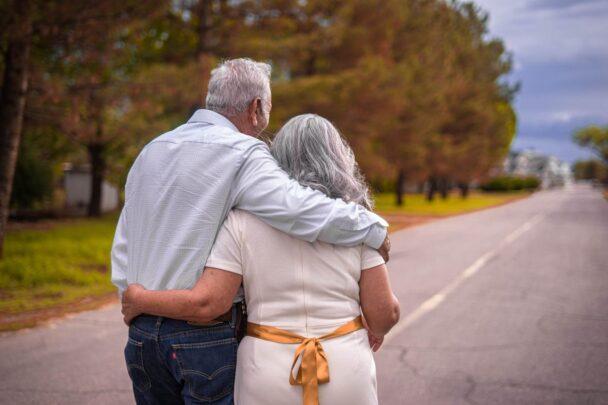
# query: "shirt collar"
213, 118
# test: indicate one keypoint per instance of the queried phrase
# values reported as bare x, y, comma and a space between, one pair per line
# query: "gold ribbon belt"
313, 369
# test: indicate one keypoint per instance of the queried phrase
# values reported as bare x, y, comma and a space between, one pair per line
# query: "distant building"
77, 186
549, 169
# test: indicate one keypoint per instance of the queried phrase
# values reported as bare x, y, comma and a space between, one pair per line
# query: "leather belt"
225, 317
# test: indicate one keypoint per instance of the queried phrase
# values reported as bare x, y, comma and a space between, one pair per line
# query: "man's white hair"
235, 83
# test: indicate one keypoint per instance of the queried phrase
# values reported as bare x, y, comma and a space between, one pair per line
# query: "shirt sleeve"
119, 255
370, 258
266, 191
226, 251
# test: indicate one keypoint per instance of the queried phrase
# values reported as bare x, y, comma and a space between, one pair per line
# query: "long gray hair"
310, 149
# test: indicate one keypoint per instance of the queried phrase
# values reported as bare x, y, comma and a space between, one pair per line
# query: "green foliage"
33, 181
591, 170
595, 138
511, 183
422, 93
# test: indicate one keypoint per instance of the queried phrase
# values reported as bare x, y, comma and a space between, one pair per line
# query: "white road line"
433, 302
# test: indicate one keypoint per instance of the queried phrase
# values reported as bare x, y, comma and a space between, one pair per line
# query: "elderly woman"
308, 303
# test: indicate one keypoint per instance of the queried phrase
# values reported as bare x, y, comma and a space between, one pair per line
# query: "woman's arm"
212, 296
379, 305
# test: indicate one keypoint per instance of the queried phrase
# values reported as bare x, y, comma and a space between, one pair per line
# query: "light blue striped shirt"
182, 186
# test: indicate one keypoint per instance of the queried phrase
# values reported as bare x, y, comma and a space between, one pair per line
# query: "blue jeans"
174, 362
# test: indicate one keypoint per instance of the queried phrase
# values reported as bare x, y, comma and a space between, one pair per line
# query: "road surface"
502, 306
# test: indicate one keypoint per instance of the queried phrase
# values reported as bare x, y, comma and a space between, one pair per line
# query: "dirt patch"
99, 268
32, 318
50, 294
402, 221
4, 295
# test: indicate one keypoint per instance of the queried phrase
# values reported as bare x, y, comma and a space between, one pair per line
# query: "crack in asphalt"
470, 390
474, 383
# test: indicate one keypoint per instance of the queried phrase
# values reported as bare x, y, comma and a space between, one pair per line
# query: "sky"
560, 52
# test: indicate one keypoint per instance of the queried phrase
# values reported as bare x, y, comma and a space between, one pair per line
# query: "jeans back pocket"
135, 365
207, 368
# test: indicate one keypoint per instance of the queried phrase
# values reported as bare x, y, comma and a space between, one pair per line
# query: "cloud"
578, 88
557, 33
562, 4
560, 50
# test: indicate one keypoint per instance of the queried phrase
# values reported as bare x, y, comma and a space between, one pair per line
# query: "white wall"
78, 192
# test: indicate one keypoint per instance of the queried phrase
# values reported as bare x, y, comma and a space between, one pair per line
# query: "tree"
42, 31
595, 138
12, 99
591, 170
87, 74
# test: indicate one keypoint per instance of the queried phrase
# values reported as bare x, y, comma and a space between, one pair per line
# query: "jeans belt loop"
234, 315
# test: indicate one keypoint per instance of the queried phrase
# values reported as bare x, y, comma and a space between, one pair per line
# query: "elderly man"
178, 193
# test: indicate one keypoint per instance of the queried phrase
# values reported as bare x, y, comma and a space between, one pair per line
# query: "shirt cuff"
376, 235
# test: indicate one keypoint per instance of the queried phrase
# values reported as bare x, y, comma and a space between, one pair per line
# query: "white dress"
306, 288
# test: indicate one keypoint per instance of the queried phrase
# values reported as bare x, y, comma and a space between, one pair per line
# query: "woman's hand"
130, 310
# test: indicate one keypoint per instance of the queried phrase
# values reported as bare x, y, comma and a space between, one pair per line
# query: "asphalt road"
503, 306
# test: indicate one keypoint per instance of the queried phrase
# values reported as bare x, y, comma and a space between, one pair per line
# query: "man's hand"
385, 248
130, 309
374, 341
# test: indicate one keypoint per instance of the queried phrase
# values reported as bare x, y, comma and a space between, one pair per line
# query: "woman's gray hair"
310, 149
235, 83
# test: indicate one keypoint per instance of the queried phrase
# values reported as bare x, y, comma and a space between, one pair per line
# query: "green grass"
56, 265
416, 204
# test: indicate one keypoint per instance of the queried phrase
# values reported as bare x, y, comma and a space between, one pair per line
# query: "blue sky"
560, 50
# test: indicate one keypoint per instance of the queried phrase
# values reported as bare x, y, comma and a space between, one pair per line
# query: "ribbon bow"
314, 368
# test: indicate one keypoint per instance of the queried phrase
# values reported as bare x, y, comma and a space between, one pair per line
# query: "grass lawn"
416, 204
55, 265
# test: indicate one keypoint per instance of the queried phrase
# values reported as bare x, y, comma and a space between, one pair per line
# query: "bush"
531, 183
591, 170
33, 182
511, 183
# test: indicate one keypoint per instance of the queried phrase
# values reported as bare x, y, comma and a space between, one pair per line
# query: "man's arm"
211, 297
266, 191
120, 254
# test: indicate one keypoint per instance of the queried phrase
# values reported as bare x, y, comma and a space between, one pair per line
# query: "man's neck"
241, 124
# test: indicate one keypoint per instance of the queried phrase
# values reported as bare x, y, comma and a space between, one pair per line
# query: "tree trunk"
430, 195
464, 190
444, 187
12, 104
202, 11
98, 168
202, 47
399, 187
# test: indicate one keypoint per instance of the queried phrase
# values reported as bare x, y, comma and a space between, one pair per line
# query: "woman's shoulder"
241, 217
245, 221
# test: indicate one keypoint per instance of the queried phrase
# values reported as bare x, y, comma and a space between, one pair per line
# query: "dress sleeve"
226, 252
370, 258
